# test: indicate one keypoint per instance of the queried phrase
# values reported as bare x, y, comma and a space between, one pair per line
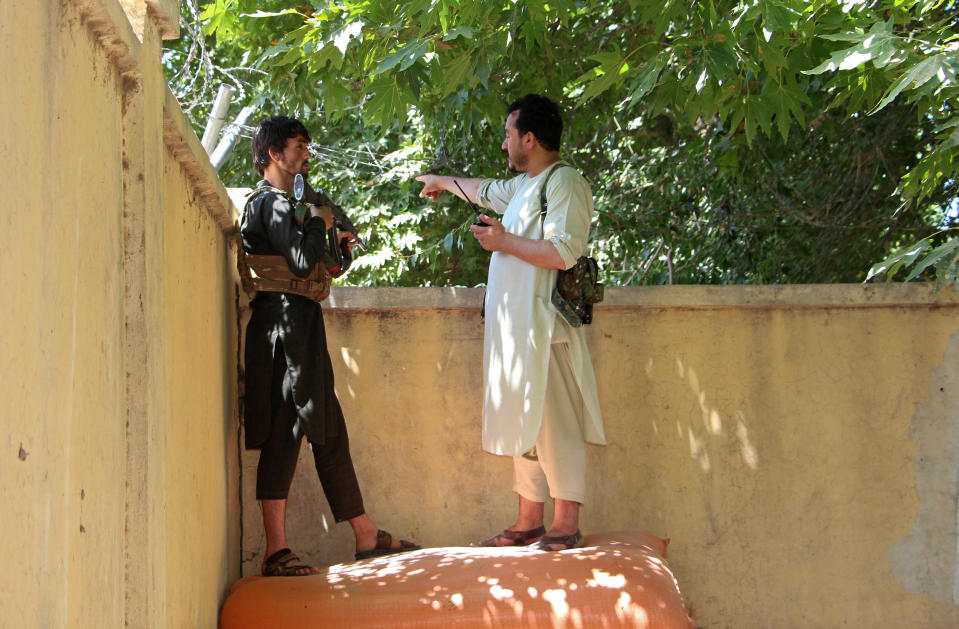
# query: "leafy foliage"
726, 141
943, 258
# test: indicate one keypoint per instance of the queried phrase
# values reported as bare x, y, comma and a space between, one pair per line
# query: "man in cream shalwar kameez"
521, 324
540, 402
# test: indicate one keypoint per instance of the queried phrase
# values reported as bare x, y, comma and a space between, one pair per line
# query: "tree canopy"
742, 141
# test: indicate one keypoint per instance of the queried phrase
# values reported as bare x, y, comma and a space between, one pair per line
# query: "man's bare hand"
433, 186
492, 238
348, 237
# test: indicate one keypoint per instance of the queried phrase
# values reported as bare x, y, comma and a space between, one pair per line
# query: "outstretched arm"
435, 184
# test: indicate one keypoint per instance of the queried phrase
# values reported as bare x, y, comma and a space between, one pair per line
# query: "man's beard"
519, 165
304, 168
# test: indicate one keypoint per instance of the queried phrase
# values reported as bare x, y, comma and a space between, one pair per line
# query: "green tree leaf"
405, 56
946, 252
905, 257
724, 142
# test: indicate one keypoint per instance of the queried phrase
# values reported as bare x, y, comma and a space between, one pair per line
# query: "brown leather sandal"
515, 538
553, 543
384, 546
283, 563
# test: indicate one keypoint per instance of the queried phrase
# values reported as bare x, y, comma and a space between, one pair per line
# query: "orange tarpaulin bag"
615, 580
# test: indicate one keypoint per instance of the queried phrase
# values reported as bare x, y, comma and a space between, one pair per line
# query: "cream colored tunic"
521, 322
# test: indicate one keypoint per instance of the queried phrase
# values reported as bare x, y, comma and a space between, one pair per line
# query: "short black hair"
273, 133
541, 116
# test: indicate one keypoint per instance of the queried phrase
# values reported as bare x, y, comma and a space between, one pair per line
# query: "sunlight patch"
500, 593
606, 580
557, 600
629, 612
349, 361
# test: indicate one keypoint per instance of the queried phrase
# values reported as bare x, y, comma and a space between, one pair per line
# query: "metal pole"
223, 149
217, 118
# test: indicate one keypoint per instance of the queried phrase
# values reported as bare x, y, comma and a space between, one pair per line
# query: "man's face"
295, 158
516, 157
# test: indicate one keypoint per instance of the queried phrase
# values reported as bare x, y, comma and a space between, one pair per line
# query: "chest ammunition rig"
270, 273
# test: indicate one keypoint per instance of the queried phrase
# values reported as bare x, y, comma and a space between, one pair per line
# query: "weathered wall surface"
61, 368
200, 479
798, 444
117, 377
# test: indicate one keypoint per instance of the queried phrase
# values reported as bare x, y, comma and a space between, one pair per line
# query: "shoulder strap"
543, 203
255, 192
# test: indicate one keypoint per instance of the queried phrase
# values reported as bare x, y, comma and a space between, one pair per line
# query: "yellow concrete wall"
200, 481
61, 367
799, 445
117, 377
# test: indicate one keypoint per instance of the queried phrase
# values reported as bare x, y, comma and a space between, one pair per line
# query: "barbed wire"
195, 73
388, 166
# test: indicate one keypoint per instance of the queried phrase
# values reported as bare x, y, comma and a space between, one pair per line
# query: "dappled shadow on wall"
616, 580
711, 428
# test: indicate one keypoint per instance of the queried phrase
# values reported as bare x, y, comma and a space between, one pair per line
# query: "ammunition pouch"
271, 274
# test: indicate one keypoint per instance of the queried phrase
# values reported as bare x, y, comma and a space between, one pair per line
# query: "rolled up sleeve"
569, 213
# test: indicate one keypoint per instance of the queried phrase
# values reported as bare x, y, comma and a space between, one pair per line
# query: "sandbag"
617, 580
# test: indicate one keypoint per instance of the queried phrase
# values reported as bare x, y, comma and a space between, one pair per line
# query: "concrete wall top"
668, 297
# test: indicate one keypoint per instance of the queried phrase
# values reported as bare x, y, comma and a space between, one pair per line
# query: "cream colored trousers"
556, 466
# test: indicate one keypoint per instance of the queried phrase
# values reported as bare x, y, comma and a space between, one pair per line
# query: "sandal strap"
383, 540
522, 536
279, 557
283, 563
518, 538
567, 541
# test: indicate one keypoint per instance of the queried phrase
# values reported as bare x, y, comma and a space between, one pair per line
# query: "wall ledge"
111, 27
109, 24
182, 142
166, 16
813, 296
